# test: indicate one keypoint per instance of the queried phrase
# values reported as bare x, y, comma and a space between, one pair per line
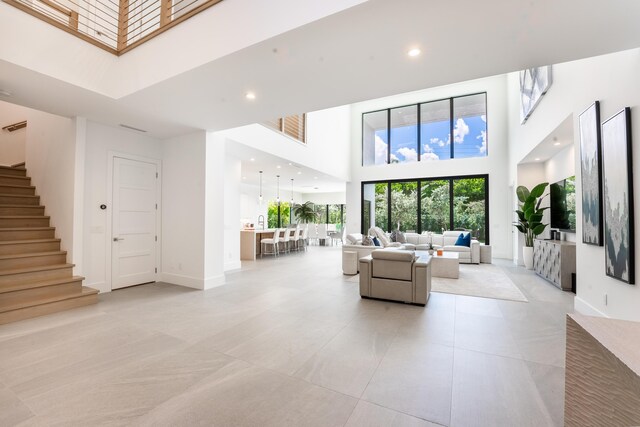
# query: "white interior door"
134, 217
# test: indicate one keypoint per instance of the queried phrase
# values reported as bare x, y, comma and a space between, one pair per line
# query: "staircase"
35, 278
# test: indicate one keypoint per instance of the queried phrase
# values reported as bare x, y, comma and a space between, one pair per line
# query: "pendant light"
260, 197
278, 189
292, 192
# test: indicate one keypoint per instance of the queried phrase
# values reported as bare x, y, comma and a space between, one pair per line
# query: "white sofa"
414, 241
446, 242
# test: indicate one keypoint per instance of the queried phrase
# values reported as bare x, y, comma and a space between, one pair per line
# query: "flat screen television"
562, 199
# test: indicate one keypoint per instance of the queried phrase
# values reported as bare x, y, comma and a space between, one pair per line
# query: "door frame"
111, 155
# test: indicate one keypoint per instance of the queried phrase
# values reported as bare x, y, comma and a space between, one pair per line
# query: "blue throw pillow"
376, 242
464, 239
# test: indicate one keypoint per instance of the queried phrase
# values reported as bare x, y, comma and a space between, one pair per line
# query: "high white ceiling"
350, 56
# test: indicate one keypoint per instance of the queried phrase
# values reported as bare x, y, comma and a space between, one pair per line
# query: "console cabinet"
555, 260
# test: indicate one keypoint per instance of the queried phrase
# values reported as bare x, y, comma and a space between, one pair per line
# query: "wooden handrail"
115, 37
15, 126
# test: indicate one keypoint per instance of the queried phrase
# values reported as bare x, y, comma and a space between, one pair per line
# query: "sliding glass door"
429, 204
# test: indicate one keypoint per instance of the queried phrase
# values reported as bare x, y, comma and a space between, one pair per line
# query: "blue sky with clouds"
469, 139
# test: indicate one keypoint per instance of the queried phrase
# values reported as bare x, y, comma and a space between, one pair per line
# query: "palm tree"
305, 212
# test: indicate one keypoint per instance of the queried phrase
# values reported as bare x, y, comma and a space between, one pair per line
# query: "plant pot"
527, 257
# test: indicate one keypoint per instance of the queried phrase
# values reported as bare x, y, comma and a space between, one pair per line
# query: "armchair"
396, 275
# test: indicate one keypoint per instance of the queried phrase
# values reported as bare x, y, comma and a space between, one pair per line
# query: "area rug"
483, 280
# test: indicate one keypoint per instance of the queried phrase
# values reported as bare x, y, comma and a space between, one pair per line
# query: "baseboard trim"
214, 282
181, 280
236, 265
583, 307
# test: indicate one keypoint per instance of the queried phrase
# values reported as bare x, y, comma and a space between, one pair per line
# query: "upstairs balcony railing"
116, 26
293, 126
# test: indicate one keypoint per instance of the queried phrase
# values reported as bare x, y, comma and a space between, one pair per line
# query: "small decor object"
400, 237
530, 218
534, 83
591, 167
376, 242
618, 197
439, 252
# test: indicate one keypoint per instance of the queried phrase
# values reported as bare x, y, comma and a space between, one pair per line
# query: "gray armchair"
396, 275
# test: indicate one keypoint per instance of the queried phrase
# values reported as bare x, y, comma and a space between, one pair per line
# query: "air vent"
132, 128
15, 126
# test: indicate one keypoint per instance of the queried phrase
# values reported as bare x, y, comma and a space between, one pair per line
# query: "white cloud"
482, 148
438, 142
410, 154
429, 154
484, 118
460, 131
381, 150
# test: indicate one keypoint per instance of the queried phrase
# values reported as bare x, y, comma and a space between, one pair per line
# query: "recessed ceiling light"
4, 92
244, 177
537, 159
414, 52
315, 177
250, 96
278, 166
252, 159
299, 173
290, 164
556, 143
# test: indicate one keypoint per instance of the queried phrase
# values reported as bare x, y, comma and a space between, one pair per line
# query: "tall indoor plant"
305, 212
530, 218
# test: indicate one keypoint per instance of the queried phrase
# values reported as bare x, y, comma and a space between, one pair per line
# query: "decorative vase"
527, 257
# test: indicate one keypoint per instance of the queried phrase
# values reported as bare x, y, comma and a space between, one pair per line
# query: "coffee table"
446, 265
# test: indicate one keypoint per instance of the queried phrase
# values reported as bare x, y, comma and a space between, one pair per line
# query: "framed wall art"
591, 168
617, 178
534, 83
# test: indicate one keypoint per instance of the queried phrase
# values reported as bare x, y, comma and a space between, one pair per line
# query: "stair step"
14, 210
50, 305
39, 273
25, 190
12, 170
26, 233
19, 199
15, 261
23, 297
23, 181
13, 221
8, 247
39, 284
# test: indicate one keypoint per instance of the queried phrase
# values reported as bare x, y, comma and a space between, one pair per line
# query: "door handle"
117, 239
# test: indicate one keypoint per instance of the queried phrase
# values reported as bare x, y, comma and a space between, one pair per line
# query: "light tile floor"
289, 342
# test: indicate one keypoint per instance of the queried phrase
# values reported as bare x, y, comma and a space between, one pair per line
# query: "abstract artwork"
534, 83
618, 197
591, 167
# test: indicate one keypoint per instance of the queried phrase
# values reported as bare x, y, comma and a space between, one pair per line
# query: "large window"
430, 204
437, 130
278, 215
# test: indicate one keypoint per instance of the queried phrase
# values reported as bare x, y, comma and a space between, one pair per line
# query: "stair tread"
15, 195
32, 254
14, 167
2, 205
27, 228
23, 216
29, 241
41, 301
36, 268
40, 284
13, 176
17, 186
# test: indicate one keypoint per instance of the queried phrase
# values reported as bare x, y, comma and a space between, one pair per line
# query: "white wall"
613, 80
50, 161
100, 143
327, 147
250, 208
12, 144
214, 215
339, 198
183, 210
495, 164
232, 191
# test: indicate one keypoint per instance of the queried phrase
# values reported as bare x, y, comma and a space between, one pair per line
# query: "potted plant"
305, 212
530, 218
